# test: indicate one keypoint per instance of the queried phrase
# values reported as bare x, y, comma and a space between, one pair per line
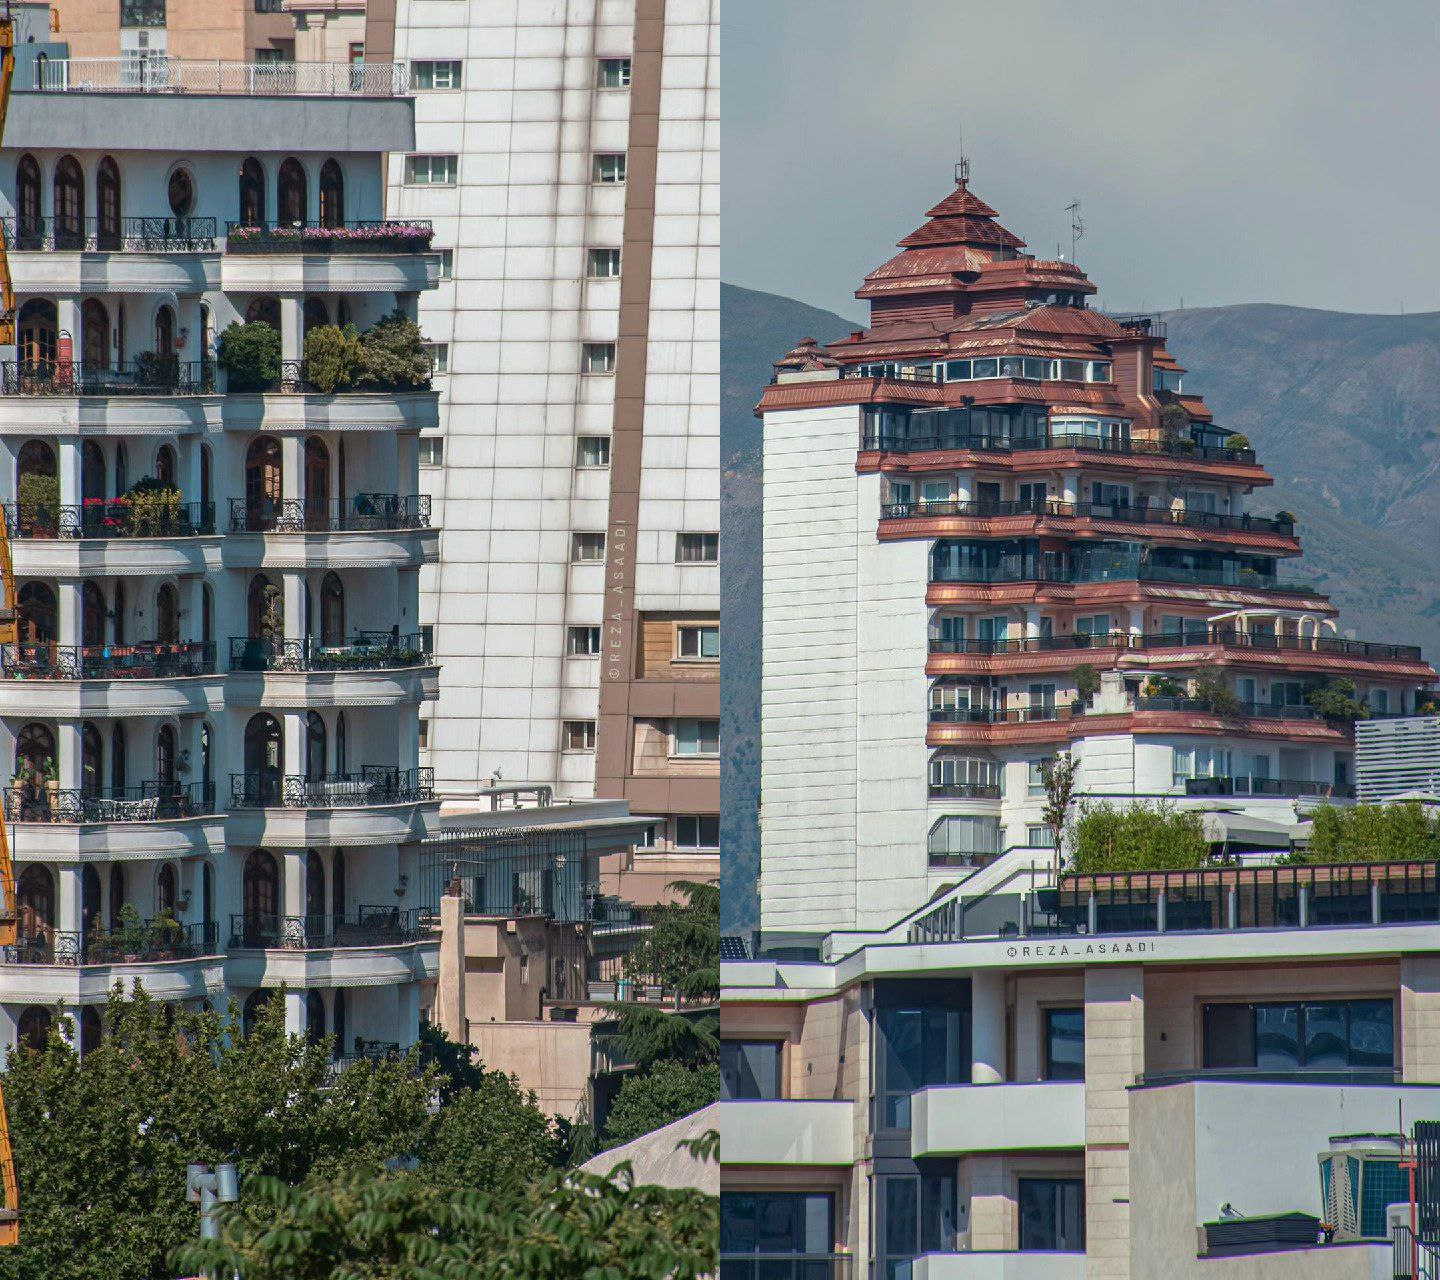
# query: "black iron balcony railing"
107, 661
365, 651
167, 234
373, 785
146, 802
405, 235
1247, 786
373, 926
143, 376
138, 13
1057, 567
111, 518
991, 509
143, 941
998, 715
965, 791
365, 513
988, 442
787, 1266
1200, 637
1245, 710
295, 379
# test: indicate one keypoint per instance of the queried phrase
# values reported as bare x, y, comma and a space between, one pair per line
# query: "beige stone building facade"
224, 30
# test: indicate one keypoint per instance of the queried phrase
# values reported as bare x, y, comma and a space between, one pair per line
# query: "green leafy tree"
393, 354
1174, 424
1371, 833
1139, 837
1215, 695
1336, 700
681, 948
1237, 441
334, 359
1087, 681
250, 355
1060, 776
487, 1136
564, 1226
651, 1099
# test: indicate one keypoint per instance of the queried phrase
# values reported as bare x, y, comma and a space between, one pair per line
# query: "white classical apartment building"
567, 154
213, 703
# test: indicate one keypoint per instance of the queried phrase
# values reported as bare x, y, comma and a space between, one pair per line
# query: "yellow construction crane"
9, 1184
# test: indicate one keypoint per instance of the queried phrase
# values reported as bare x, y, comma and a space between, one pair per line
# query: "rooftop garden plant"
334, 358
250, 355
1404, 832
1336, 700
393, 354
1237, 441
1140, 837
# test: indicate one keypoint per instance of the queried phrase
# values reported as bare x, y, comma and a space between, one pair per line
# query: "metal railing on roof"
156, 73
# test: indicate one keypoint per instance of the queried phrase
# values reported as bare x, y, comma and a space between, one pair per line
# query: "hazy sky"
1267, 151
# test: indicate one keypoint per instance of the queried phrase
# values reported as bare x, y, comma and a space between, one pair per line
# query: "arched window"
314, 1016
265, 609
314, 884
37, 488
117, 892
107, 205
92, 615
29, 229
262, 483
90, 914
260, 889
332, 611
122, 468
332, 195
35, 898
36, 614
91, 1029
95, 336
316, 313
69, 204
252, 193
264, 759
317, 484
341, 754
165, 757
165, 891
292, 197
37, 335
165, 467
180, 191
167, 615
32, 1030
92, 764
164, 331
337, 884
255, 1002
207, 614
264, 311
339, 1023
314, 746
92, 472
34, 750
117, 756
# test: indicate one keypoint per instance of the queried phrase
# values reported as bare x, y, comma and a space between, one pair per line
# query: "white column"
1137, 619
295, 1013
68, 899
293, 588
69, 467
409, 1029
407, 748
8, 450
1032, 624
407, 464
67, 749
293, 727
292, 328
190, 324
987, 1026
292, 467
293, 882
964, 486
191, 732
68, 594
67, 316
1070, 486
189, 456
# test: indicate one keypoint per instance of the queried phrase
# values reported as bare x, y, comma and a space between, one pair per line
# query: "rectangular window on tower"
592, 451
602, 264
613, 73
609, 168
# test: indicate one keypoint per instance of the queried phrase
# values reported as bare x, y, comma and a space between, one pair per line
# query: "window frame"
586, 731
575, 546
699, 819
435, 445
625, 66
678, 752
581, 463
452, 169
611, 256
708, 540
700, 628
458, 82
609, 168
609, 353
592, 638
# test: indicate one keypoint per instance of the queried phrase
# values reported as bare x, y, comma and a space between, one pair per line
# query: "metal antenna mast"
962, 165
1077, 228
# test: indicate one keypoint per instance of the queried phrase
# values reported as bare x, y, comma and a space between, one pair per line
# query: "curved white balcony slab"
115, 557
788, 1132
958, 1118
119, 272
329, 966
118, 841
107, 415
165, 980
356, 549
304, 828
352, 411
329, 272
985, 1265
71, 699
301, 690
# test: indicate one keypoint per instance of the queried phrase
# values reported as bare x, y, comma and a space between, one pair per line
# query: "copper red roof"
962, 218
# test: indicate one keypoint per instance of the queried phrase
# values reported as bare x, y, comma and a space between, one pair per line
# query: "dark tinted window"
750, 1069
1052, 1214
1065, 1044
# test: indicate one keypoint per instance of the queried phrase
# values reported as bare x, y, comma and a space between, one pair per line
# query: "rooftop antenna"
1077, 228
962, 165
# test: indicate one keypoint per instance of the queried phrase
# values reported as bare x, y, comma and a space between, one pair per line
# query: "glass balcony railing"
1247, 786
365, 651
373, 785
157, 73
140, 941
1202, 636
155, 661
364, 513
374, 926
392, 235
1057, 567
1159, 516
146, 802
144, 376
111, 518
167, 234
960, 440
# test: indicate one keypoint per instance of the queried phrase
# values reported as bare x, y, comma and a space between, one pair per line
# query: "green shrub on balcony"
334, 358
1087, 682
153, 369
250, 355
1163, 687
39, 494
1211, 691
1336, 700
1237, 441
153, 507
394, 355
1140, 837
1371, 833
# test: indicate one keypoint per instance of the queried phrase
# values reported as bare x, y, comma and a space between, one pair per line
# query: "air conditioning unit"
1360, 1177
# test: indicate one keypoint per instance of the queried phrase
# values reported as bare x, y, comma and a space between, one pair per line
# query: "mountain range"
1344, 411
